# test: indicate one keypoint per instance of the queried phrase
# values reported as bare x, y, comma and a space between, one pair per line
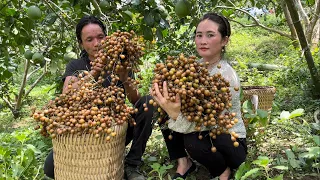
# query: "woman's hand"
95, 72
123, 74
172, 108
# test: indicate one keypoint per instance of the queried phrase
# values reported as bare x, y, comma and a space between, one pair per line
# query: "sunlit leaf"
262, 161
296, 113
285, 115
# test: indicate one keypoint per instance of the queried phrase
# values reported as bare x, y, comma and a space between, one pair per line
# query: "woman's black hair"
88, 20
224, 25
83, 22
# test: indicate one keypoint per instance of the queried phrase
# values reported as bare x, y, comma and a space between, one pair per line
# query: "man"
90, 31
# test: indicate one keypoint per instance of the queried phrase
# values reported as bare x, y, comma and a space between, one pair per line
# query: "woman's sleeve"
234, 81
181, 124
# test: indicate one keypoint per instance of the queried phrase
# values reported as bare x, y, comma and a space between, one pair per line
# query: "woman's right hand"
96, 70
171, 108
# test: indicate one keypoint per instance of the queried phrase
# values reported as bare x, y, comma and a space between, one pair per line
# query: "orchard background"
277, 47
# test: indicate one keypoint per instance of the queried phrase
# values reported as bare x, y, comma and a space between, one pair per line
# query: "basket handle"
255, 101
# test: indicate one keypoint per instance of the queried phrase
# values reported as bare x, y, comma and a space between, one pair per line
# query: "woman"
212, 35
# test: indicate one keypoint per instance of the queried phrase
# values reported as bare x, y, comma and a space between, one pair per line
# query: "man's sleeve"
70, 69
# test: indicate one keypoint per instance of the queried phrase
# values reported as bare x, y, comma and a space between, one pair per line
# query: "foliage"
160, 171
22, 154
261, 168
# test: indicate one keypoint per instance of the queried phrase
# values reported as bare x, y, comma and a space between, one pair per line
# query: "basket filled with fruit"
88, 124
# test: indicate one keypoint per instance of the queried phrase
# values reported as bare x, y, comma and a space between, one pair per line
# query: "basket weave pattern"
78, 157
265, 95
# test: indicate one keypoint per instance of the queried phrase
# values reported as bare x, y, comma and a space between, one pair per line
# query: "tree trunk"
305, 47
289, 22
18, 104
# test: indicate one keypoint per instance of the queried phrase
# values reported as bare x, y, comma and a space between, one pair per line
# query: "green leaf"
17, 169
262, 113
310, 3
292, 159
33, 148
214, 3
127, 15
148, 19
135, 2
159, 34
152, 159
22, 137
10, 11
247, 105
263, 116
155, 166
262, 161
147, 33
50, 19
280, 167
316, 139
315, 126
296, 113
244, 167
250, 173
285, 115
159, 137
280, 177
315, 151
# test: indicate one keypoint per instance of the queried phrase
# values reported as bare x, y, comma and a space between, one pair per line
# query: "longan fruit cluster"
119, 51
205, 99
89, 109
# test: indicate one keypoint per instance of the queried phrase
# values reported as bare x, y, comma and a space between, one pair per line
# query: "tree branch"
302, 12
8, 103
28, 76
313, 22
257, 23
23, 84
62, 20
96, 5
38, 80
71, 21
5, 5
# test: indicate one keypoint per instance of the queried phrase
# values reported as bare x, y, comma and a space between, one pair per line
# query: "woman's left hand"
171, 108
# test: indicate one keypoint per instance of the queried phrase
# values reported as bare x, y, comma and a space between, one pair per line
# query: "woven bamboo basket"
84, 157
265, 95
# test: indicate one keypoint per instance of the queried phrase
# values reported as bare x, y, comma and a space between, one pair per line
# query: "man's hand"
172, 108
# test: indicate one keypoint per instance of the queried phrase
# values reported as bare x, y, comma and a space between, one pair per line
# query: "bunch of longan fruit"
89, 109
205, 99
92, 108
120, 51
